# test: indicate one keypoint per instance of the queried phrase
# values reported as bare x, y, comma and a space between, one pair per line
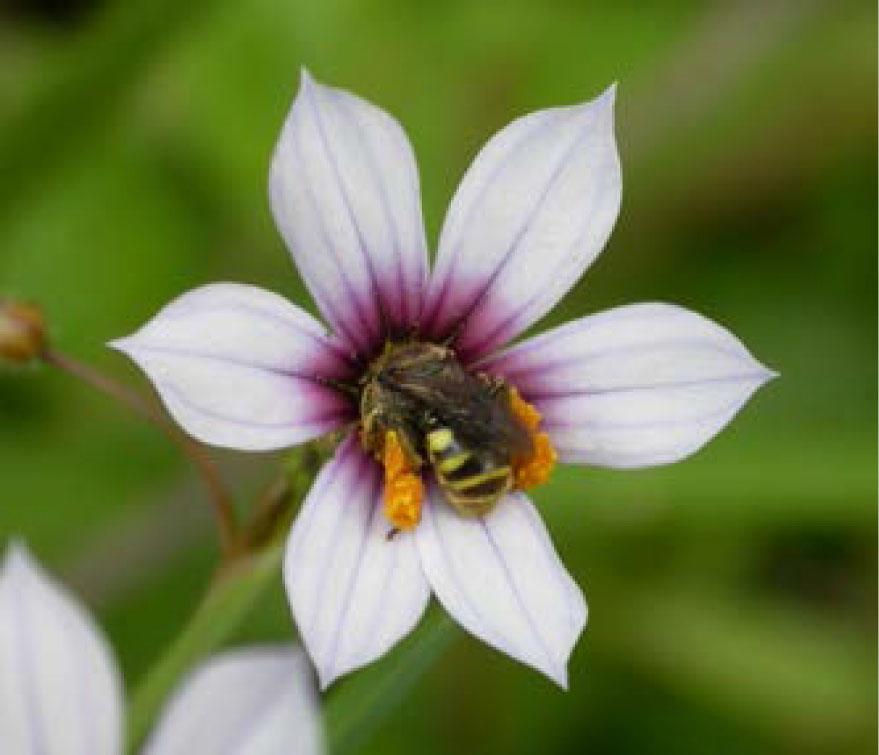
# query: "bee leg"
391, 533
404, 491
372, 433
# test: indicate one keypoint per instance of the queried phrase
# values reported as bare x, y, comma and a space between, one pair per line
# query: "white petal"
634, 386
344, 191
353, 592
239, 367
255, 701
501, 579
60, 692
532, 212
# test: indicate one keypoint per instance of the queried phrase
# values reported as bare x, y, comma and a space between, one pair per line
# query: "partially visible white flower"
241, 367
258, 701
61, 693
60, 690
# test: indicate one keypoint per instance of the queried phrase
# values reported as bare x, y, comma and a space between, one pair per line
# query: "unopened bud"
22, 331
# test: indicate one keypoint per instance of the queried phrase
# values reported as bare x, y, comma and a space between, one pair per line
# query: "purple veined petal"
635, 386
60, 692
353, 592
531, 214
252, 701
344, 191
239, 367
501, 579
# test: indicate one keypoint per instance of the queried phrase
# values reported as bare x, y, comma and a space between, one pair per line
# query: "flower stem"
272, 509
218, 496
236, 587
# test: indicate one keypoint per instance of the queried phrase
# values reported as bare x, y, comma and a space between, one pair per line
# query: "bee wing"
476, 412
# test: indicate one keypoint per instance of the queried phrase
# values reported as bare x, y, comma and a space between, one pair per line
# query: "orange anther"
536, 468
526, 413
404, 490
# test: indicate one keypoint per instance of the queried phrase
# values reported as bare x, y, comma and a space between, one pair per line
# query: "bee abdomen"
469, 484
450, 460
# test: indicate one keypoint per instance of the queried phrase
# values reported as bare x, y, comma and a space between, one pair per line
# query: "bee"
460, 423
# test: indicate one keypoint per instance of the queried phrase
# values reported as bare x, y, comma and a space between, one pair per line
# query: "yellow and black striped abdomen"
472, 483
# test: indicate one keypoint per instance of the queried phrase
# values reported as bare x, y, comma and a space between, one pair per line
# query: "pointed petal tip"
120, 344
762, 374
708, 376
307, 88
609, 95
354, 228
558, 676
325, 677
235, 366
305, 78
605, 104
331, 622
768, 374
324, 670
538, 611
600, 107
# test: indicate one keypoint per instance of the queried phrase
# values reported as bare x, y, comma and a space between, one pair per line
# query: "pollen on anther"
526, 413
535, 469
404, 490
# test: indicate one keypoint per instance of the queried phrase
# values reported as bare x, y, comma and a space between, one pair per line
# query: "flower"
636, 386
61, 694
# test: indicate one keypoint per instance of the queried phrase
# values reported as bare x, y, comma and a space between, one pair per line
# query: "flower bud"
22, 331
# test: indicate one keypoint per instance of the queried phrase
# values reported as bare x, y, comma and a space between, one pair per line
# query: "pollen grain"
526, 413
536, 468
404, 490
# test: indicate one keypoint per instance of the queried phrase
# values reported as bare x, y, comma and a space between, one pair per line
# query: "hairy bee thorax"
422, 411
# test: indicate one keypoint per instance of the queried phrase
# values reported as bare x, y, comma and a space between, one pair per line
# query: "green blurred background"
733, 596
